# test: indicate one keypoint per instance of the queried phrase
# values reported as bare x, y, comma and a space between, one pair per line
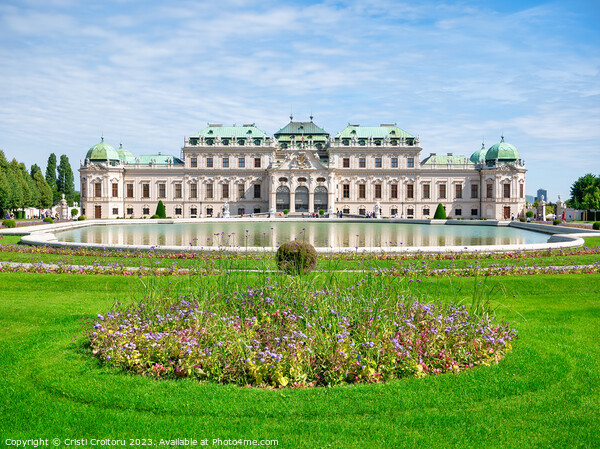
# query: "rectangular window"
458, 191
394, 191
241, 211
193, 191
411, 162
377, 162
115, 189
241, 191
458, 212
178, 211
442, 191
362, 212
115, 211
362, 162
410, 212
209, 211
162, 190
97, 189
474, 191
146, 211
489, 190
473, 212
225, 162
362, 188
394, 162
194, 212
178, 190
242, 162
129, 190
426, 192
130, 211
145, 190
520, 190
506, 190
209, 162
410, 191
209, 190
225, 191
193, 162
346, 162
377, 190
346, 191
426, 212
256, 190
256, 162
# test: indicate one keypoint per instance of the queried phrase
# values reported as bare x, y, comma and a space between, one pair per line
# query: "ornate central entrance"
321, 201
282, 198
301, 201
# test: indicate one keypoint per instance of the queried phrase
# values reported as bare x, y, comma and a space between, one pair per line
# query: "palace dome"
125, 155
503, 152
102, 152
479, 156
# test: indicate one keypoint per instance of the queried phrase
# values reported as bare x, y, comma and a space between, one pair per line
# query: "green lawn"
545, 394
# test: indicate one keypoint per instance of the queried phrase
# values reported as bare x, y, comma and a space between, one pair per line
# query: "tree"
440, 213
51, 175
65, 180
45, 192
591, 199
4, 192
33, 169
585, 185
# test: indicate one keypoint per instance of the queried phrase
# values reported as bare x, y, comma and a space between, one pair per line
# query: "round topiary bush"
296, 257
81, 218
48, 220
522, 219
529, 214
155, 216
557, 221
596, 225
8, 223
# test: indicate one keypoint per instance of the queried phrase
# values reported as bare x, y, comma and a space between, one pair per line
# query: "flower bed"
279, 336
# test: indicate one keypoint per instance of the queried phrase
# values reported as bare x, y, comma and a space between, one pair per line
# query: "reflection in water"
320, 234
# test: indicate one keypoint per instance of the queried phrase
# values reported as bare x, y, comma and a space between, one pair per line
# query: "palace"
240, 170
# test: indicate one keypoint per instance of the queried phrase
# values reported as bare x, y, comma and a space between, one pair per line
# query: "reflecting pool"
325, 234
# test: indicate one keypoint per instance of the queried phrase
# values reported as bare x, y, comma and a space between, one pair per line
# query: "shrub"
557, 221
321, 212
154, 216
529, 214
19, 214
596, 225
49, 220
160, 210
81, 218
440, 213
522, 219
74, 212
286, 211
8, 223
296, 257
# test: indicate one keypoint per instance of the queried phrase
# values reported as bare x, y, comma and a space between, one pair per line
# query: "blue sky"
454, 73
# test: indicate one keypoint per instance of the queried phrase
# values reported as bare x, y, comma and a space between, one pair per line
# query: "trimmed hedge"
8, 223
529, 214
440, 213
557, 221
48, 220
81, 218
296, 257
160, 210
596, 225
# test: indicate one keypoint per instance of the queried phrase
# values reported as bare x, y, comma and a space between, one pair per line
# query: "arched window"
282, 198
321, 198
301, 201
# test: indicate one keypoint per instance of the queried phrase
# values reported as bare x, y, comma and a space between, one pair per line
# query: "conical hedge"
440, 213
160, 210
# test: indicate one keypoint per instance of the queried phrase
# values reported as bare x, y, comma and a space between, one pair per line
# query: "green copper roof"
479, 156
502, 151
377, 132
125, 155
102, 152
440, 159
302, 128
158, 159
229, 132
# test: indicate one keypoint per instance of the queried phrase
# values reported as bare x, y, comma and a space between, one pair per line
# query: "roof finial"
502, 136
291, 117
311, 117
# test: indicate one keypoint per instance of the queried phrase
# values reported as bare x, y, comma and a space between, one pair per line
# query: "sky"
455, 73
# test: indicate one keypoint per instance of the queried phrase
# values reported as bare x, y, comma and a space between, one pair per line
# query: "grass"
545, 394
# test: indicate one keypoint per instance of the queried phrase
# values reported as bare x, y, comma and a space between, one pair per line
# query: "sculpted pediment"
301, 160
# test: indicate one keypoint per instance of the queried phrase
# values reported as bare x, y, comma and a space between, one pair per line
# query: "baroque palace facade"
240, 170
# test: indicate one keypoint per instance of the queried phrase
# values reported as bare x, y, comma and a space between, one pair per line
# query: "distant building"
303, 169
530, 199
540, 193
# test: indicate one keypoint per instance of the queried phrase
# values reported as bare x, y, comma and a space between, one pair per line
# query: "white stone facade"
259, 177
